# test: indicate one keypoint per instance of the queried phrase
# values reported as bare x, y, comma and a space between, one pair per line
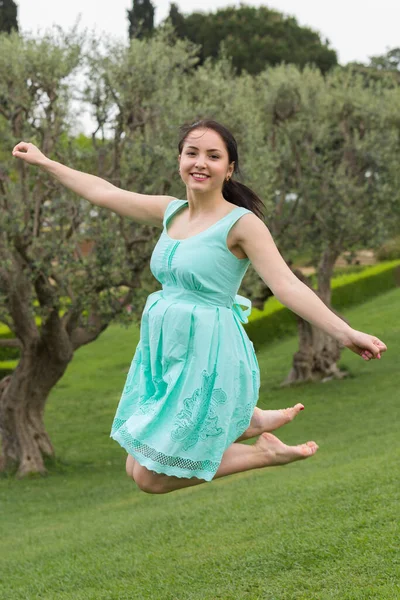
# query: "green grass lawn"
322, 528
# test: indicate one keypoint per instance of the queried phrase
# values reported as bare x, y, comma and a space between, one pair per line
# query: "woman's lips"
199, 178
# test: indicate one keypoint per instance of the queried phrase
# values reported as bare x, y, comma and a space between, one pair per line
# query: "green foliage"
5, 352
127, 87
8, 16
387, 62
335, 148
254, 38
7, 368
371, 75
389, 250
141, 19
276, 321
36, 85
177, 20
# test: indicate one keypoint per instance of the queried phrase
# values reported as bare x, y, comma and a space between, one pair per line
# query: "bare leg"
268, 451
269, 420
261, 421
130, 463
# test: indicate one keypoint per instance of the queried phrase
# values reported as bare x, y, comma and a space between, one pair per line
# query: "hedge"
276, 321
5, 352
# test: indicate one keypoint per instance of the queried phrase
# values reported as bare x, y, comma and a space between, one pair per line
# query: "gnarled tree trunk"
23, 396
318, 354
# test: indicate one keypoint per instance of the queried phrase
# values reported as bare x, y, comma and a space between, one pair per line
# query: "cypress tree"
177, 20
141, 19
8, 16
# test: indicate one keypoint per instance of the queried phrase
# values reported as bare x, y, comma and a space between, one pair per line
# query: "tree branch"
19, 302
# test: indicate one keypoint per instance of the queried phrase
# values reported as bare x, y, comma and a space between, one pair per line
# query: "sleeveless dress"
194, 379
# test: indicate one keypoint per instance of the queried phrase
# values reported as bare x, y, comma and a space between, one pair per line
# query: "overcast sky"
356, 29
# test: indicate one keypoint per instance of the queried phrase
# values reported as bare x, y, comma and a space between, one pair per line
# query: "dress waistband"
193, 296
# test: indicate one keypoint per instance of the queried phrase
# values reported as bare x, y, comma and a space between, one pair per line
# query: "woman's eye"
193, 153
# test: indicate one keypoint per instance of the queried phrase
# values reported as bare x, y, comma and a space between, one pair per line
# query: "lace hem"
157, 461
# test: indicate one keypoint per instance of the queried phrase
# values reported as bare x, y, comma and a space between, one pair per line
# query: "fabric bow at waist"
238, 310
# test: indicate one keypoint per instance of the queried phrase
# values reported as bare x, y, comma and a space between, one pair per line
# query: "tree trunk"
23, 395
316, 358
318, 354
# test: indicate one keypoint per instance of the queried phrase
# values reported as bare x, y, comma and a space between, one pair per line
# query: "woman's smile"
199, 177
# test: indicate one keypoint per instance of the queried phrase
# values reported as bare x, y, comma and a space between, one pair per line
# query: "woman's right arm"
142, 208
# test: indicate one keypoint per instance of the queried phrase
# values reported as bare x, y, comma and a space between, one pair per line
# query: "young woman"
192, 388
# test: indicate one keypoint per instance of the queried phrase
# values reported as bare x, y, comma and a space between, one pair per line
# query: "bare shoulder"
247, 228
150, 210
255, 240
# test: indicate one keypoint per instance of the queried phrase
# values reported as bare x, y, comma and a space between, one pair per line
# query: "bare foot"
274, 452
269, 420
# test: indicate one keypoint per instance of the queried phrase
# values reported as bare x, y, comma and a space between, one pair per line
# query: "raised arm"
254, 238
142, 208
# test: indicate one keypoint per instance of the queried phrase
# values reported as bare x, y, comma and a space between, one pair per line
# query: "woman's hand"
30, 153
367, 346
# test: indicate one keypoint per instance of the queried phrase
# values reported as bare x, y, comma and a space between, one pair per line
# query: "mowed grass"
322, 528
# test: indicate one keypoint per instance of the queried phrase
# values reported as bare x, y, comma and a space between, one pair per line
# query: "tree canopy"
387, 62
253, 37
384, 69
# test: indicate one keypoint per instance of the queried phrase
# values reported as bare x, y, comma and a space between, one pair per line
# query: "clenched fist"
30, 153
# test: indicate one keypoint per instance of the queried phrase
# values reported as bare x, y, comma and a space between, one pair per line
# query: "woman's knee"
147, 481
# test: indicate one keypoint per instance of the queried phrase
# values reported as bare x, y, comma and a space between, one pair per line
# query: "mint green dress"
194, 379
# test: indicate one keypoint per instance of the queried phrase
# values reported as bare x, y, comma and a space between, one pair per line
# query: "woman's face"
204, 162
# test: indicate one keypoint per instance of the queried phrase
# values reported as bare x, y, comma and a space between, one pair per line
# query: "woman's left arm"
256, 241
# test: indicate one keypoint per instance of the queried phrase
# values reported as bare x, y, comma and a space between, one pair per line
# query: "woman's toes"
276, 452
310, 448
293, 411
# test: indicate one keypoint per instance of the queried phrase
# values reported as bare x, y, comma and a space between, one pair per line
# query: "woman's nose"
200, 162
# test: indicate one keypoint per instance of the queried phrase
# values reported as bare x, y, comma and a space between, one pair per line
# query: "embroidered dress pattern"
199, 419
194, 378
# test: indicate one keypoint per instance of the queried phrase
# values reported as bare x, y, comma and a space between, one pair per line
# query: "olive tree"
335, 144
54, 296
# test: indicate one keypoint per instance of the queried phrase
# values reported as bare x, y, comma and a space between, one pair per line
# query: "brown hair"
233, 191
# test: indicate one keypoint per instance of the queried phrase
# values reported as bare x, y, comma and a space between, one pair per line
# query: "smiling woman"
208, 155
192, 387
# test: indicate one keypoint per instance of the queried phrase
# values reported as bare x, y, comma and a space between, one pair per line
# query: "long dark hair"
233, 191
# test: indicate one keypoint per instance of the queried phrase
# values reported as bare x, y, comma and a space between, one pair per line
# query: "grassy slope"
323, 528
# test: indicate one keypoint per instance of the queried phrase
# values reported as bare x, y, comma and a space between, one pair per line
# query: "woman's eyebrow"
209, 150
